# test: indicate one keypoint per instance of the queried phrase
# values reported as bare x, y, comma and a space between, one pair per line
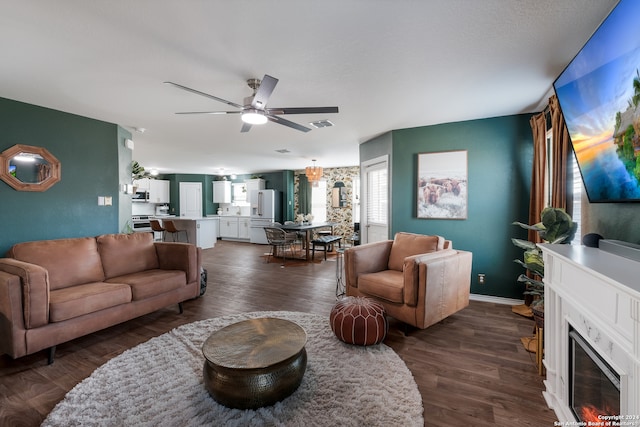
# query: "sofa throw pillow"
127, 253
407, 244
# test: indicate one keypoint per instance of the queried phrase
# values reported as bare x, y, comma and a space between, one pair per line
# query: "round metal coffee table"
254, 363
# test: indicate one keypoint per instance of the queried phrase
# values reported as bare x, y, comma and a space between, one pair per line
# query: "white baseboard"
496, 300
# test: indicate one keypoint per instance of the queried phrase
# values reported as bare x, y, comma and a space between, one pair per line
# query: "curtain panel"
562, 172
537, 198
304, 194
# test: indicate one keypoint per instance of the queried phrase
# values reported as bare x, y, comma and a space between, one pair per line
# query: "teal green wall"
88, 152
499, 152
288, 195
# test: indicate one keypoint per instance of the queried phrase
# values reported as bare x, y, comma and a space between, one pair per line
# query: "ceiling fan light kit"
254, 117
255, 111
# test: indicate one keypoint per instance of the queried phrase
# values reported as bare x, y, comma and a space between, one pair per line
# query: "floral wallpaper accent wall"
342, 216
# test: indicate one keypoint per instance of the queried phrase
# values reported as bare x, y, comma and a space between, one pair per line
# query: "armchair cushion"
386, 284
408, 244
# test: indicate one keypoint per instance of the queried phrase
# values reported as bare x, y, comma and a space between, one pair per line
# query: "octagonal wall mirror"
28, 168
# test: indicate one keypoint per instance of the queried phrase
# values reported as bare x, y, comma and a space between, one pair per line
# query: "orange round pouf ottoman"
359, 320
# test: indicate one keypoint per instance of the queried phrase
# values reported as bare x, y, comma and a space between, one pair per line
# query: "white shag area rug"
160, 383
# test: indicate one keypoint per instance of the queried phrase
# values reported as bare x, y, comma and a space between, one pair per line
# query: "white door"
191, 199
375, 200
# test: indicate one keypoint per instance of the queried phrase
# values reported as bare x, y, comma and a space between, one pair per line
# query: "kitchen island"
201, 231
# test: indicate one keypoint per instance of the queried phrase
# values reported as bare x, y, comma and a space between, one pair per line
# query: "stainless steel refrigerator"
265, 210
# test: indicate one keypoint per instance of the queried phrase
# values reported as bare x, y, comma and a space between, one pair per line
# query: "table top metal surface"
254, 343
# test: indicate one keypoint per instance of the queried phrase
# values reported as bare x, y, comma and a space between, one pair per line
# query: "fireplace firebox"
594, 387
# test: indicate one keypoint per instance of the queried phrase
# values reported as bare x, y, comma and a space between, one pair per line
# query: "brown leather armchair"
419, 279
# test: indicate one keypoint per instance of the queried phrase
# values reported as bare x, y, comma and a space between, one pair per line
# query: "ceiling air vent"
321, 124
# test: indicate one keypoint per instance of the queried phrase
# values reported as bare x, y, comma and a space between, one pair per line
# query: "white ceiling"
387, 64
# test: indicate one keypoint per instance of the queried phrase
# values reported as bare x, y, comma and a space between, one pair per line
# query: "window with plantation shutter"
377, 197
577, 200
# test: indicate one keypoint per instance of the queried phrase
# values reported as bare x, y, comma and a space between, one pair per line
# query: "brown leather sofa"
418, 279
53, 291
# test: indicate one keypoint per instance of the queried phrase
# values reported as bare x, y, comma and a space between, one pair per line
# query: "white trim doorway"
375, 199
191, 199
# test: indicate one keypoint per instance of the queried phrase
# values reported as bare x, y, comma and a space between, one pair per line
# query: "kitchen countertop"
200, 218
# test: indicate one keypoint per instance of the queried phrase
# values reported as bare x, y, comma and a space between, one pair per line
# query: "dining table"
308, 231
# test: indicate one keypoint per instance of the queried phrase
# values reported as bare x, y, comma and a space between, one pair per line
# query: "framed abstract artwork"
442, 185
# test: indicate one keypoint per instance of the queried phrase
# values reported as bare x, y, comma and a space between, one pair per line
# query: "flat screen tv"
599, 94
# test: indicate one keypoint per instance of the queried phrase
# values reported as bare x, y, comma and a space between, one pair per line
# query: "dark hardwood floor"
471, 368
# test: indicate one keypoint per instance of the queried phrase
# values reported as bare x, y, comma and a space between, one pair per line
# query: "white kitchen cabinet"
255, 184
216, 221
200, 231
252, 186
243, 228
234, 227
206, 233
159, 191
142, 184
229, 227
221, 191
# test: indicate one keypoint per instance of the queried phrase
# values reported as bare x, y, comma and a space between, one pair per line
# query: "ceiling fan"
255, 111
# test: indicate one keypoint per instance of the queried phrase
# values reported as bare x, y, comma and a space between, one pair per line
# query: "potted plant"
137, 171
556, 226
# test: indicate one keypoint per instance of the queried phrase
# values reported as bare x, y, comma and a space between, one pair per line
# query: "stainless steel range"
141, 222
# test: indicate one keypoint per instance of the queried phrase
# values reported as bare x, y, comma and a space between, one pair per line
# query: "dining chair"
279, 239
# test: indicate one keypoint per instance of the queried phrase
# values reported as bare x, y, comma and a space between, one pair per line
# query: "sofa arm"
179, 256
35, 290
367, 258
12, 329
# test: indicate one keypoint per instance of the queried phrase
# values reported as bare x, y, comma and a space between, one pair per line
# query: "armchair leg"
407, 328
180, 308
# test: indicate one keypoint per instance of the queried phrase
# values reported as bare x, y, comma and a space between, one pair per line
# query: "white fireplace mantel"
598, 294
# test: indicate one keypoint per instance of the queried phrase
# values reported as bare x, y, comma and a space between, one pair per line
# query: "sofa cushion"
69, 262
407, 244
152, 282
74, 301
387, 284
127, 253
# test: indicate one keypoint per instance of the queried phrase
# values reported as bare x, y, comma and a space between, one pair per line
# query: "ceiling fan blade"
288, 123
197, 92
209, 112
267, 85
246, 127
303, 110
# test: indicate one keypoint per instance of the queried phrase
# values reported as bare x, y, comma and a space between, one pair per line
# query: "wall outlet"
481, 278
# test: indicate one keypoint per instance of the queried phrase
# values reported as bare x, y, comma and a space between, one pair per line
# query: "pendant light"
314, 173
